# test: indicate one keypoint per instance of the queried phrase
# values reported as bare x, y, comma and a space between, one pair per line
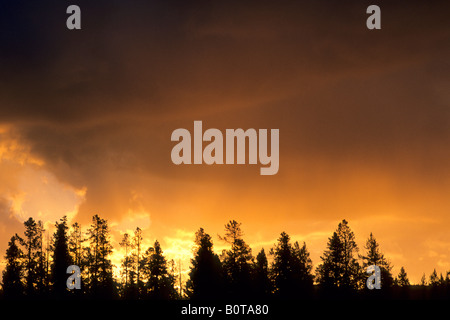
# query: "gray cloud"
99, 105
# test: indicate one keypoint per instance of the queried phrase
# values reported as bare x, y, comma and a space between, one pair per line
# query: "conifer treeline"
35, 271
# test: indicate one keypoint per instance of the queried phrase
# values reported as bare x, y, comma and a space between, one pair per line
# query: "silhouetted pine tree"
340, 269
434, 279
436, 285
291, 269
75, 245
77, 255
303, 270
61, 259
13, 287
374, 256
160, 283
236, 262
402, 285
328, 273
126, 261
402, 278
205, 276
34, 258
131, 264
423, 280
262, 286
100, 280
136, 259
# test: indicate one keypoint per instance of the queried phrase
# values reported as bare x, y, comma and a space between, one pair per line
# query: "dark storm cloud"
106, 98
145, 58
58, 75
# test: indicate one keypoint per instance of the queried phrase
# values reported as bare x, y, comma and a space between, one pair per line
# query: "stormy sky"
86, 118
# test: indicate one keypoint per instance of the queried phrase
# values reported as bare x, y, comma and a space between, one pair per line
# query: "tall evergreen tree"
75, 244
302, 269
328, 273
351, 277
126, 261
101, 282
434, 279
423, 280
132, 264
291, 269
129, 267
402, 284
374, 256
34, 258
13, 287
42, 270
137, 257
78, 255
237, 261
262, 286
402, 278
61, 259
160, 283
339, 268
205, 276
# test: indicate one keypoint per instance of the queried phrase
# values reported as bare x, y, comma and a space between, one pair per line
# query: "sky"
86, 118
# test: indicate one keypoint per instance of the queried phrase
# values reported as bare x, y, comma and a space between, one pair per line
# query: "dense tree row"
35, 271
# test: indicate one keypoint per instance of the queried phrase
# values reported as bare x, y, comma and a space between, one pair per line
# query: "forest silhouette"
38, 271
